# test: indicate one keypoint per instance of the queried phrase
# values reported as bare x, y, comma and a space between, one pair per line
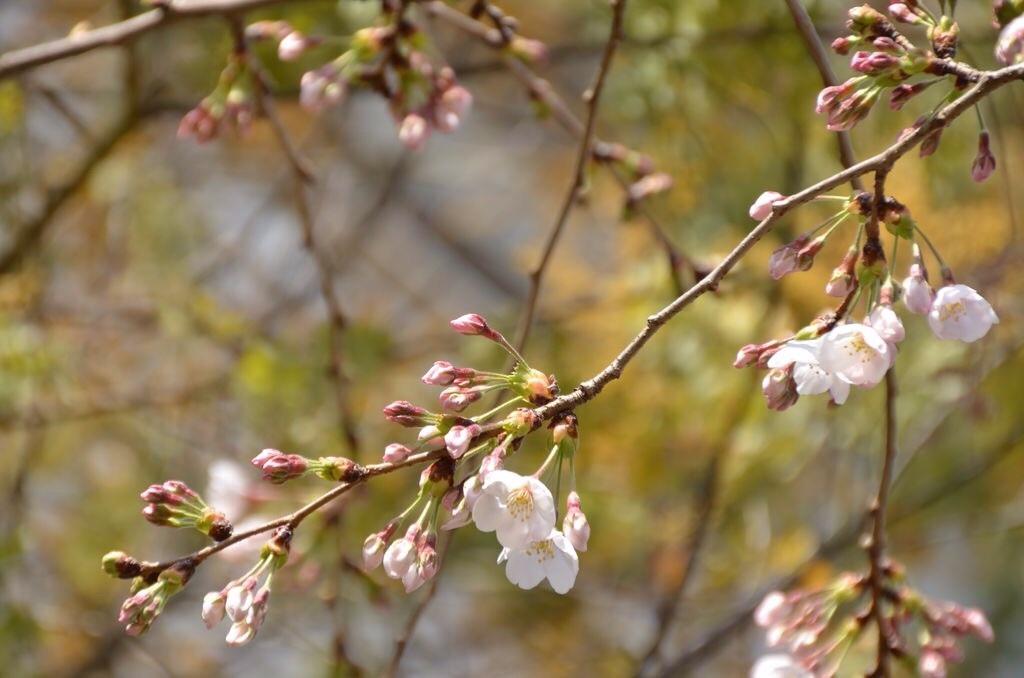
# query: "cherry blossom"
519, 509
959, 312
552, 558
856, 354
810, 375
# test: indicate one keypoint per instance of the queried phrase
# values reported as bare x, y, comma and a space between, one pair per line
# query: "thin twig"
820, 57
122, 32
593, 98
877, 560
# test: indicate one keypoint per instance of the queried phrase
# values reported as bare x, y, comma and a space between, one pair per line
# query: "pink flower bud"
472, 324
459, 438
984, 162
413, 131
213, 608
901, 12
373, 552
456, 399
931, 664
293, 44
395, 453
779, 389
762, 207
575, 526
405, 413
873, 63
978, 624
917, 293
452, 108
441, 373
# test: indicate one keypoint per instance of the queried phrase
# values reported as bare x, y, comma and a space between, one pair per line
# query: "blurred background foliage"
169, 323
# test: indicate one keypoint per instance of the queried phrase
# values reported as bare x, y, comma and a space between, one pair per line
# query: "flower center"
856, 345
952, 311
520, 503
541, 550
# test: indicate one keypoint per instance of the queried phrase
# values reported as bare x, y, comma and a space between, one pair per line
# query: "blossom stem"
935, 252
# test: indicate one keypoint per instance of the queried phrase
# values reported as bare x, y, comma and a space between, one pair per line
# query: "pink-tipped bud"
531, 51
575, 527
456, 399
452, 107
779, 389
472, 324
459, 438
441, 373
405, 413
918, 295
279, 468
843, 280
978, 624
293, 44
413, 131
213, 608
1010, 46
395, 453
873, 63
902, 13
373, 551
762, 207
984, 162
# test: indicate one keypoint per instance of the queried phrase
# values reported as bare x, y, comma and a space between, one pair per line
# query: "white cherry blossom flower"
856, 354
552, 558
778, 666
810, 375
959, 312
519, 509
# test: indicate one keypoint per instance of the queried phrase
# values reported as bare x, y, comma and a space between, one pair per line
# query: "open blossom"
856, 354
762, 207
959, 312
519, 509
810, 375
778, 666
552, 558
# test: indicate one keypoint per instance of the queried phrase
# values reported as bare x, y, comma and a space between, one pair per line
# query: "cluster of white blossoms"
521, 512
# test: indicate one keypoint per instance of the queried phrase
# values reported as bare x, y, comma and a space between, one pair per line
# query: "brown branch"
593, 98
122, 32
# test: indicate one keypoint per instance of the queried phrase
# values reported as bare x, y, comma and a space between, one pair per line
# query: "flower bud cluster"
231, 102
816, 628
279, 467
245, 600
148, 599
175, 504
